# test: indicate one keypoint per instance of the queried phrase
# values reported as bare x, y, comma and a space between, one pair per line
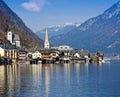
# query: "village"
11, 52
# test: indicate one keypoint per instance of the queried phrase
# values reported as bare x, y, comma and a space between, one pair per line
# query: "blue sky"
38, 14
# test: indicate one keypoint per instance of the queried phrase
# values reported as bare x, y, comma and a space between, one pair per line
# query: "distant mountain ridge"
57, 29
98, 33
9, 21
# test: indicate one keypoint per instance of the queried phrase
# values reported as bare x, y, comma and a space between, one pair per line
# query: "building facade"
13, 38
36, 55
9, 53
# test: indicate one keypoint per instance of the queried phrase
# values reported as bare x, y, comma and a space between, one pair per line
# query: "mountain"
98, 33
57, 30
9, 21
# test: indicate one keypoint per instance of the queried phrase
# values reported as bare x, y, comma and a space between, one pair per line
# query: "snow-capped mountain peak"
58, 29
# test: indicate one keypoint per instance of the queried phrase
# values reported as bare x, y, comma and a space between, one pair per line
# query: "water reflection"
9, 80
59, 80
47, 80
36, 80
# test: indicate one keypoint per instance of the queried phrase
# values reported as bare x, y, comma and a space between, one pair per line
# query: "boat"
106, 60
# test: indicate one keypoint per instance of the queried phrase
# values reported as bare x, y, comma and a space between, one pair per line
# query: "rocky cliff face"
10, 21
98, 33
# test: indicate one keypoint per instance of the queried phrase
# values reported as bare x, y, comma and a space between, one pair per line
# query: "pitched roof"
16, 37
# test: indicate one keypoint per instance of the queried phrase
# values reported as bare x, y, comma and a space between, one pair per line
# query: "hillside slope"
9, 21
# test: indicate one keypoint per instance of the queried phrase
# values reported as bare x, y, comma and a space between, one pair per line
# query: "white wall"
65, 47
36, 55
46, 45
9, 37
17, 43
2, 52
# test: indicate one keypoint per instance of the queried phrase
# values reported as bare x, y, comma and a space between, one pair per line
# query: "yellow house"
10, 53
2, 52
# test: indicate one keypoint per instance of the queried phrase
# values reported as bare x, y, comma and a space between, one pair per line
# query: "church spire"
46, 35
46, 43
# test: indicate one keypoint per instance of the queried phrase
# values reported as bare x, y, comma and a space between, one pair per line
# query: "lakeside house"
22, 56
97, 57
8, 51
82, 54
49, 54
36, 55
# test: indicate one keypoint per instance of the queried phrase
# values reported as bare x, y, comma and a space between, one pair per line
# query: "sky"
39, 14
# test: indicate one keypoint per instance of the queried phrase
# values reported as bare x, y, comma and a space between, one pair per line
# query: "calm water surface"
65, 80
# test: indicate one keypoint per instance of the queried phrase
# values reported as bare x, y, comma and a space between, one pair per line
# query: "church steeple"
46, 43
46, 35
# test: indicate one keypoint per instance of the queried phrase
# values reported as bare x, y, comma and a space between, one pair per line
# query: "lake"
60, 80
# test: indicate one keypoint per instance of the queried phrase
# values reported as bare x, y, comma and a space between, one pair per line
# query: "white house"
36, 55
54, 54
65, 48
9, 52
2, 52
82, 54
77, 55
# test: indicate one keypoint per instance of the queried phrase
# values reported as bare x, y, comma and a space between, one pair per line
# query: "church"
13, 38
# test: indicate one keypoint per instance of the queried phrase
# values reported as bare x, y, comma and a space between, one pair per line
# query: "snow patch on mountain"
117, 42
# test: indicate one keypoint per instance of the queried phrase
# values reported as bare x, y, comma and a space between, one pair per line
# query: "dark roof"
16, 37
48, 50
8, 46
82, 52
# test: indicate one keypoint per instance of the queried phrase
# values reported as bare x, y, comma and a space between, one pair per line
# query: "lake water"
65, 80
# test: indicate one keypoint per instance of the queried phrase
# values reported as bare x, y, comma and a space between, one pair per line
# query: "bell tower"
10, 36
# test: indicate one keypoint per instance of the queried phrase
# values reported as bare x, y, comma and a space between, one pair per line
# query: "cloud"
34, 5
